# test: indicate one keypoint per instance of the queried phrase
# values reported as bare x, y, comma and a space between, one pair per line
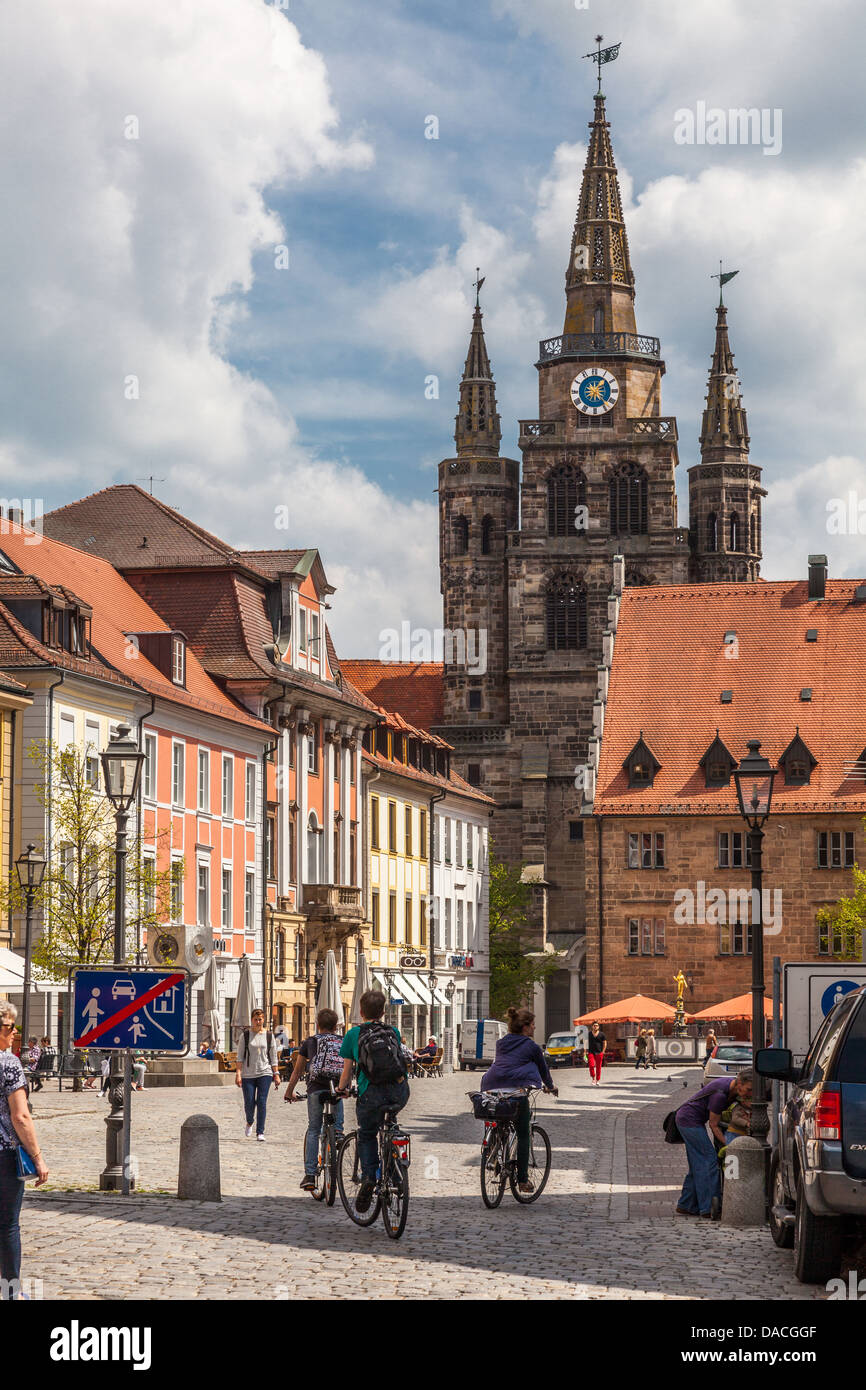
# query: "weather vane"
723, 277
476, 285
602, 56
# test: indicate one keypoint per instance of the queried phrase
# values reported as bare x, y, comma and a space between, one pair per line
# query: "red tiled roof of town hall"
412, 688
669, 669
117, 610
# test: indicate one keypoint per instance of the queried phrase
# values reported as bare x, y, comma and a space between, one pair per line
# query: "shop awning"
414, 989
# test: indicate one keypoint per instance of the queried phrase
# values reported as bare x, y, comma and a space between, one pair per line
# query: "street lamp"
754, 781
388, 977
30, 872
434, 980
122, 762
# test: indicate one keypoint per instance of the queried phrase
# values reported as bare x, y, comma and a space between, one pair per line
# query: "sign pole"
776, 1089
128, 1182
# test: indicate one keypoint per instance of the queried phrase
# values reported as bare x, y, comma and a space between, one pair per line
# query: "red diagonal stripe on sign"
112, 1022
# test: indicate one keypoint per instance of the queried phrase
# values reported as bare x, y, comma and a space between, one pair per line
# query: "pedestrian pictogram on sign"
116, 1008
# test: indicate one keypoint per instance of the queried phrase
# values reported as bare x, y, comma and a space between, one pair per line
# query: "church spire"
478, 430
599, 283
724, 429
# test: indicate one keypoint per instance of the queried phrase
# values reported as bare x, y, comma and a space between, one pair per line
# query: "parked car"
564, 1049
817, 1180
726, 1059
478, 1042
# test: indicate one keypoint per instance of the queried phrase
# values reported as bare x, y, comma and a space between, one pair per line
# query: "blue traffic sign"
834, 992
116, 1008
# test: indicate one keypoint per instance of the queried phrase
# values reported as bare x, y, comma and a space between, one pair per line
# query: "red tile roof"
117, 611
453, 784
414, 688
671, 664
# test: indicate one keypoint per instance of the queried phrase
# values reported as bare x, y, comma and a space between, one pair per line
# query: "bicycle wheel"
493, 1169
332, 1156
539, 1166
349, 1180
320, 1180
395, 1198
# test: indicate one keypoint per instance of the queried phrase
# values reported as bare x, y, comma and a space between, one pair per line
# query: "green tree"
841, 926
77, 893
514, 967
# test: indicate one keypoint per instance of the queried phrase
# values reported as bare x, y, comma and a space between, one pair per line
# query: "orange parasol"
632, 1010
739, 1008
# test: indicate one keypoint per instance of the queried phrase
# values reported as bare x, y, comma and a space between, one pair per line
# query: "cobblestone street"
603, 1228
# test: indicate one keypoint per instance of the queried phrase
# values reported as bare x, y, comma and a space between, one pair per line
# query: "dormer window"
641, 765
798, 762
178, 661
718, 764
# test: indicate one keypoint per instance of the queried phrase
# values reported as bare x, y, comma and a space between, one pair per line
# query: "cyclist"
520, 1062
320, 1053
382, 1084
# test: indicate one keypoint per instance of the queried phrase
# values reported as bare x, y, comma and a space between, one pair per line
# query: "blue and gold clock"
594, 391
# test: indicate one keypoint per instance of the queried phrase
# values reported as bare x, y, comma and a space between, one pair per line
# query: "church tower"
478, 500
724, 488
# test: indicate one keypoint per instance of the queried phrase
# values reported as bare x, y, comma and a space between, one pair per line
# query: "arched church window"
566, 614
460, 527
734, 532
712, 532
753, 533
598, 321
487, 535
628, 501
566, 491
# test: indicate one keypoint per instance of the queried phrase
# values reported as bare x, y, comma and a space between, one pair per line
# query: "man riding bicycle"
520, 1062
382, 1083
318, 1054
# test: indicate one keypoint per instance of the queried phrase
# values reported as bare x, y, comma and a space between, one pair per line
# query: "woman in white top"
256, 1071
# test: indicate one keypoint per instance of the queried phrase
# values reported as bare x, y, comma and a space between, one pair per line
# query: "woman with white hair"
16, 1131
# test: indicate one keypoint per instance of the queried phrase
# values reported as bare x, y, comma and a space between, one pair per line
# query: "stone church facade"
527, 552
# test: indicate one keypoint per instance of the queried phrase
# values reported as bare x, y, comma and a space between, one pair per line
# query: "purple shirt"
714, 1097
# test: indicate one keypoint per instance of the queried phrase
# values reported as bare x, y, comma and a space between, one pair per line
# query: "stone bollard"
198, 1178
744, 1201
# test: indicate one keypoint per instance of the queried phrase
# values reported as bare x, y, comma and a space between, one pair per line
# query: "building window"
314, 636
150, 767
392, 919
177, 774
646, 850
473, 774
733, 845
458, 835
313, 752
447, 840
712, 532
392, 827
566, 491
249, 900
735, 939
313, 852
487, 535
460, 535
835, 849
734, 532
227, 900
374, 822
447, 942
753, 534
177, 890
422, 835
148, 867
279, 955
566, 615
299, 956
91, 753
458, 936
645, 936
422, 922
798, 762
407, 920
203, 901
575, 830
831, 939
474, 702
437, 838
228, 789
628, 501
408, 832
271, 844
203, 779
374, 915
178, 661
353, 851
250, 793
302, 624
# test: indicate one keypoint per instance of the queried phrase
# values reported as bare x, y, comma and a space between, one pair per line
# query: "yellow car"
561, 1048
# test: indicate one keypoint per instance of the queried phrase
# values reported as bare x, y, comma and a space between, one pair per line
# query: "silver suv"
817, 1183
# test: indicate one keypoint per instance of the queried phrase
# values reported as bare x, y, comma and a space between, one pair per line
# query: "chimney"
817, 576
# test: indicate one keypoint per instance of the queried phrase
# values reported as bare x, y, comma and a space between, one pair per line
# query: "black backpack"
379, 1054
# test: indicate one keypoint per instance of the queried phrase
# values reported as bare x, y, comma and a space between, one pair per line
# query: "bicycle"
325, 1189
498, 1110
391, 1194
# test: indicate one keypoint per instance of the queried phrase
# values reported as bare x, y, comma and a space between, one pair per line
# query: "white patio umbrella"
363, 982
212, 1020
329, 990
246, 1000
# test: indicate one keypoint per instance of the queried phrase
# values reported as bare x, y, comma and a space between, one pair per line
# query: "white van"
478, 1042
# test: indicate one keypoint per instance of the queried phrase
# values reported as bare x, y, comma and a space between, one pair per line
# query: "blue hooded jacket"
519, 1062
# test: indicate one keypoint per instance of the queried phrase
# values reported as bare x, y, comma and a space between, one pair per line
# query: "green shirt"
349, 1050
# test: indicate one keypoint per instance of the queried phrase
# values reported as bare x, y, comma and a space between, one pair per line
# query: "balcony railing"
654, 427
546, 431
330, 900
598, 345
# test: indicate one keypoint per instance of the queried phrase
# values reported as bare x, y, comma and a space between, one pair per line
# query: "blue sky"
153, 257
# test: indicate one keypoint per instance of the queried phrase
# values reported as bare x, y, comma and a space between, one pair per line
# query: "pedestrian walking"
318, 1056
17, 1131
139, 1067
651, 1053
519, 1062
256, 1071
105, 1073
596, 1048
702, 1189
711, 1042
640, 1049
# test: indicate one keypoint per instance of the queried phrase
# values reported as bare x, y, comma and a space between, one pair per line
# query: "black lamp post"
122, 762
30, 873
433, 980
388, 977
754, 781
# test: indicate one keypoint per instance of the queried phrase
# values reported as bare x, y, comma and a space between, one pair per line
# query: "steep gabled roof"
412, 688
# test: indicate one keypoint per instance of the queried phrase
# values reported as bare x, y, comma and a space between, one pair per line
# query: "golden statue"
680, 981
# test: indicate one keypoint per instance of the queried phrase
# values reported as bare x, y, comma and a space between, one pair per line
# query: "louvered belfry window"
566, 615
566, 490
628, 501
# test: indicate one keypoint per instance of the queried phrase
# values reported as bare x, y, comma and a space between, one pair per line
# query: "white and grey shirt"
259, 1060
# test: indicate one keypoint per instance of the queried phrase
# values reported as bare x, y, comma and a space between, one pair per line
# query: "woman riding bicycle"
520, 1062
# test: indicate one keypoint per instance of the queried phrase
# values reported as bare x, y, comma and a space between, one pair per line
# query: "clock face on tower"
594, 391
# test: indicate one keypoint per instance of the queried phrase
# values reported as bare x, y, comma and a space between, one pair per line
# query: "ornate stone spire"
599, 283
477, 430
724, 429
